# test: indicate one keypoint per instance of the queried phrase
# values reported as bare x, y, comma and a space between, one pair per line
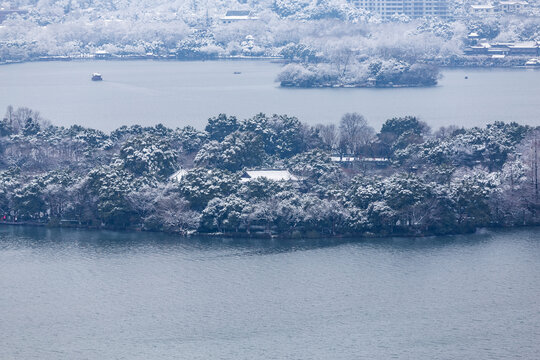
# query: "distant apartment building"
411, 8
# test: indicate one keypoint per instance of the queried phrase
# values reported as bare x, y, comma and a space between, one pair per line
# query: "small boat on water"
534, 62
236, 72
96, 77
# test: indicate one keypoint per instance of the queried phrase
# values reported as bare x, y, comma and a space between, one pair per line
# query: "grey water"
76, 294
188, 93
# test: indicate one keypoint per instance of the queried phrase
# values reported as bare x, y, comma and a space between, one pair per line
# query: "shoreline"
359, 86
295, 235
272, 59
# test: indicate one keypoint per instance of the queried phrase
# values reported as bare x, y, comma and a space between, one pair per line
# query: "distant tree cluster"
188, 30
369, 73
447, 181
298, 30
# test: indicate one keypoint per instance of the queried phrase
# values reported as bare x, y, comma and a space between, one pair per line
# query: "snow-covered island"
270, 176
374, 73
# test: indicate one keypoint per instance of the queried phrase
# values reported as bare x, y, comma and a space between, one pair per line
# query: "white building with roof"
480, 9
512, 6
233, 16
270, 174
342, 159
177, 176
102, 54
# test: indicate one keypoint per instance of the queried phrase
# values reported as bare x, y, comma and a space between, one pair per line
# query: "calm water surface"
67, 294
182, 93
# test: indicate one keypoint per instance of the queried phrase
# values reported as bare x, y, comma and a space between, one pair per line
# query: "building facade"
411, 8
482, 9
234, 16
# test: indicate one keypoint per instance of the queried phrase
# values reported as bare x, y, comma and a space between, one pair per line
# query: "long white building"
411, 8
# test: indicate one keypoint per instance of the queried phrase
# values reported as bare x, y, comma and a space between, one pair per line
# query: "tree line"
315, 31
430, 182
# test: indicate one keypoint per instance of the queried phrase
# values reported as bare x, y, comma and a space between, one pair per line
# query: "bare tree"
9, 113
446, 131
355, 133
535, 143
530, 156
329, 135
16, 119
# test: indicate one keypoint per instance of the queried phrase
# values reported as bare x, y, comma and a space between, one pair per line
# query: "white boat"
534, 62
96, 77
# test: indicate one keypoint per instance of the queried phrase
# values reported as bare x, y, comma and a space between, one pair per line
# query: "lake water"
181, 93
75, 294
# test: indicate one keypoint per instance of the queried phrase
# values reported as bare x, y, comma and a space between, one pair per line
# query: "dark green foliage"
363, 191
6, 127
454, 181
28, 202
220, 126
486, 29
111, 187
237, 151
398, 133
149, 156
223, 214
190, 139
261, 188
420, 75
298, 52
287, 136
399, 126
342, 71
31, 127
124, 132
282, 135
471, 198
201, 185
489, 146
253, 141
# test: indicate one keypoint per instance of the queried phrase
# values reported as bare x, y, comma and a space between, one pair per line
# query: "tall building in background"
411, 8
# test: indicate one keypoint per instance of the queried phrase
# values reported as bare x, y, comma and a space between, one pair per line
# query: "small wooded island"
270, 176
373, 73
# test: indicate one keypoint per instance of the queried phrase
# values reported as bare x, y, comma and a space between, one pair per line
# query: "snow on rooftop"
361, 159
270, 174
375, 159
526, 44
177, 176
342, 158
482, 6
513, 3
239, 18
239, 15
